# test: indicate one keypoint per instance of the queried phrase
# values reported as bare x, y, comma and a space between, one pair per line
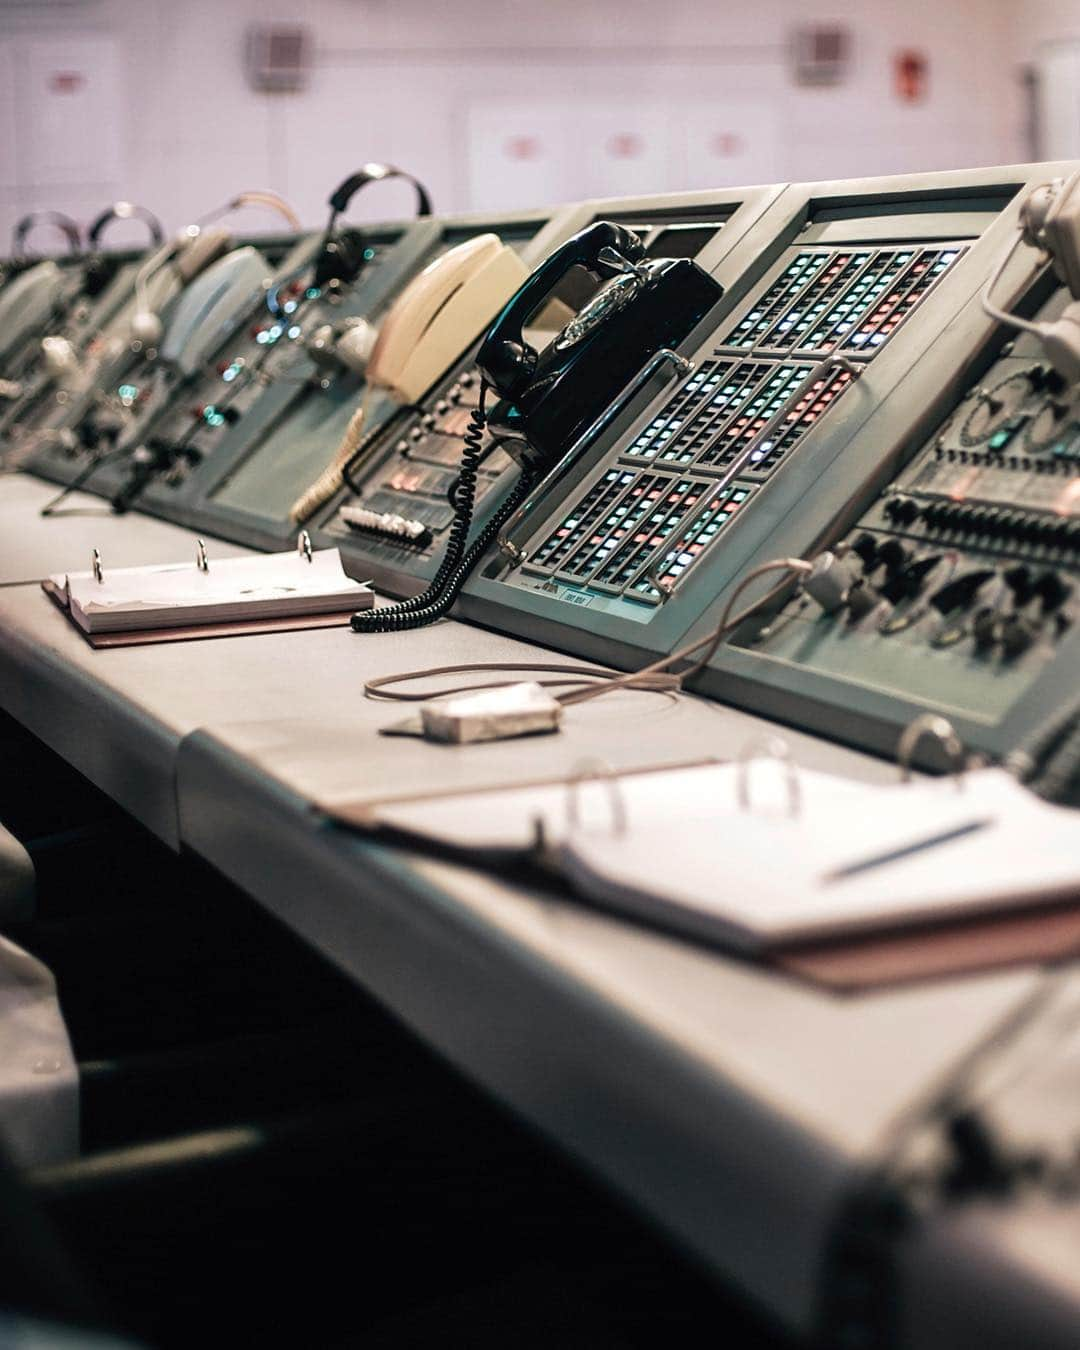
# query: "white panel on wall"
726, 144
1058, 95
72, 108
352, 114
618, 149
518, 154
8, 162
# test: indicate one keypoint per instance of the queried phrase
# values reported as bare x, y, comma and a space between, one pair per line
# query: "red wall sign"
910, 73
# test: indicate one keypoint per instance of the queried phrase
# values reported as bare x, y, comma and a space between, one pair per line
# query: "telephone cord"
432, 603
587, 682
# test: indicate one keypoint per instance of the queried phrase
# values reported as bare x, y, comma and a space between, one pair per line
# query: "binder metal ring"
768, 747
938, 728
303, 545
596, 770
201, 560
95, 564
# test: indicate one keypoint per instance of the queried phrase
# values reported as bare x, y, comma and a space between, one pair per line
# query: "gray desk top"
733, 1104
33, 546
119, 715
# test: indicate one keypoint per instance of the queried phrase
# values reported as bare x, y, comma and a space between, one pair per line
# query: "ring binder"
939, 729
201, 560
773, 748
596, 770
303, 545
96, 568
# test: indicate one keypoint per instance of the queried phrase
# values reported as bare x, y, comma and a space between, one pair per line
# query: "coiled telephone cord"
458, 560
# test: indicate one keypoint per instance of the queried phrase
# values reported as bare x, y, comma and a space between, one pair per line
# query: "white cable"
1001, 315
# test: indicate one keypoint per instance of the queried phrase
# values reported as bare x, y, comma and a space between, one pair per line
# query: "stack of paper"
268, 586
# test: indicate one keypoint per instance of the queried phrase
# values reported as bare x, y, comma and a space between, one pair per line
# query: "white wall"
1045, 36
601, 96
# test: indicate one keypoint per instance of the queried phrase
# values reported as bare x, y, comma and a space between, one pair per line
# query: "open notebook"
742, 855
230, 590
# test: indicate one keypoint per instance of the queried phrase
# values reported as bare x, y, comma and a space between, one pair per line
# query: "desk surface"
734, 1105
33, 546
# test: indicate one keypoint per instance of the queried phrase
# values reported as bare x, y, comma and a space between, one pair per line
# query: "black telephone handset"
551, 400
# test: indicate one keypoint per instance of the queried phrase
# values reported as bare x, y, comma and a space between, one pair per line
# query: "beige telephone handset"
435, 317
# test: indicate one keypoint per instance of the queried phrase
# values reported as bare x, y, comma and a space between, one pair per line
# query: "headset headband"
126, 211
62, 222
374, 173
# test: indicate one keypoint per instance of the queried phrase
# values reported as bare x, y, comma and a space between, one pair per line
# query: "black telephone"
553, 402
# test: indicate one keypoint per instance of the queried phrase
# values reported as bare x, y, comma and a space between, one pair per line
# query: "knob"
862, 598
865, 548
1052, 591
1017, 635
1018, 580
901, 509
893, 555
906, 583
984, 628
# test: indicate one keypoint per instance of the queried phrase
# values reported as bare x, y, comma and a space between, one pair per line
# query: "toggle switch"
961, 591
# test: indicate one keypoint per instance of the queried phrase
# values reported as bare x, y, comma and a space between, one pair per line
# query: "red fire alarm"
910, 74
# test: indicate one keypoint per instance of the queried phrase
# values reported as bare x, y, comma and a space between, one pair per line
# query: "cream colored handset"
440, 311
436, 316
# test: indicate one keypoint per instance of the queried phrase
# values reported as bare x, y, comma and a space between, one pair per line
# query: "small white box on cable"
523, 709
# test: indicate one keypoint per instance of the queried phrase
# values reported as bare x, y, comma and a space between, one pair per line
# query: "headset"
343, 252
194, 249
57, 219
100, 268
19, 260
